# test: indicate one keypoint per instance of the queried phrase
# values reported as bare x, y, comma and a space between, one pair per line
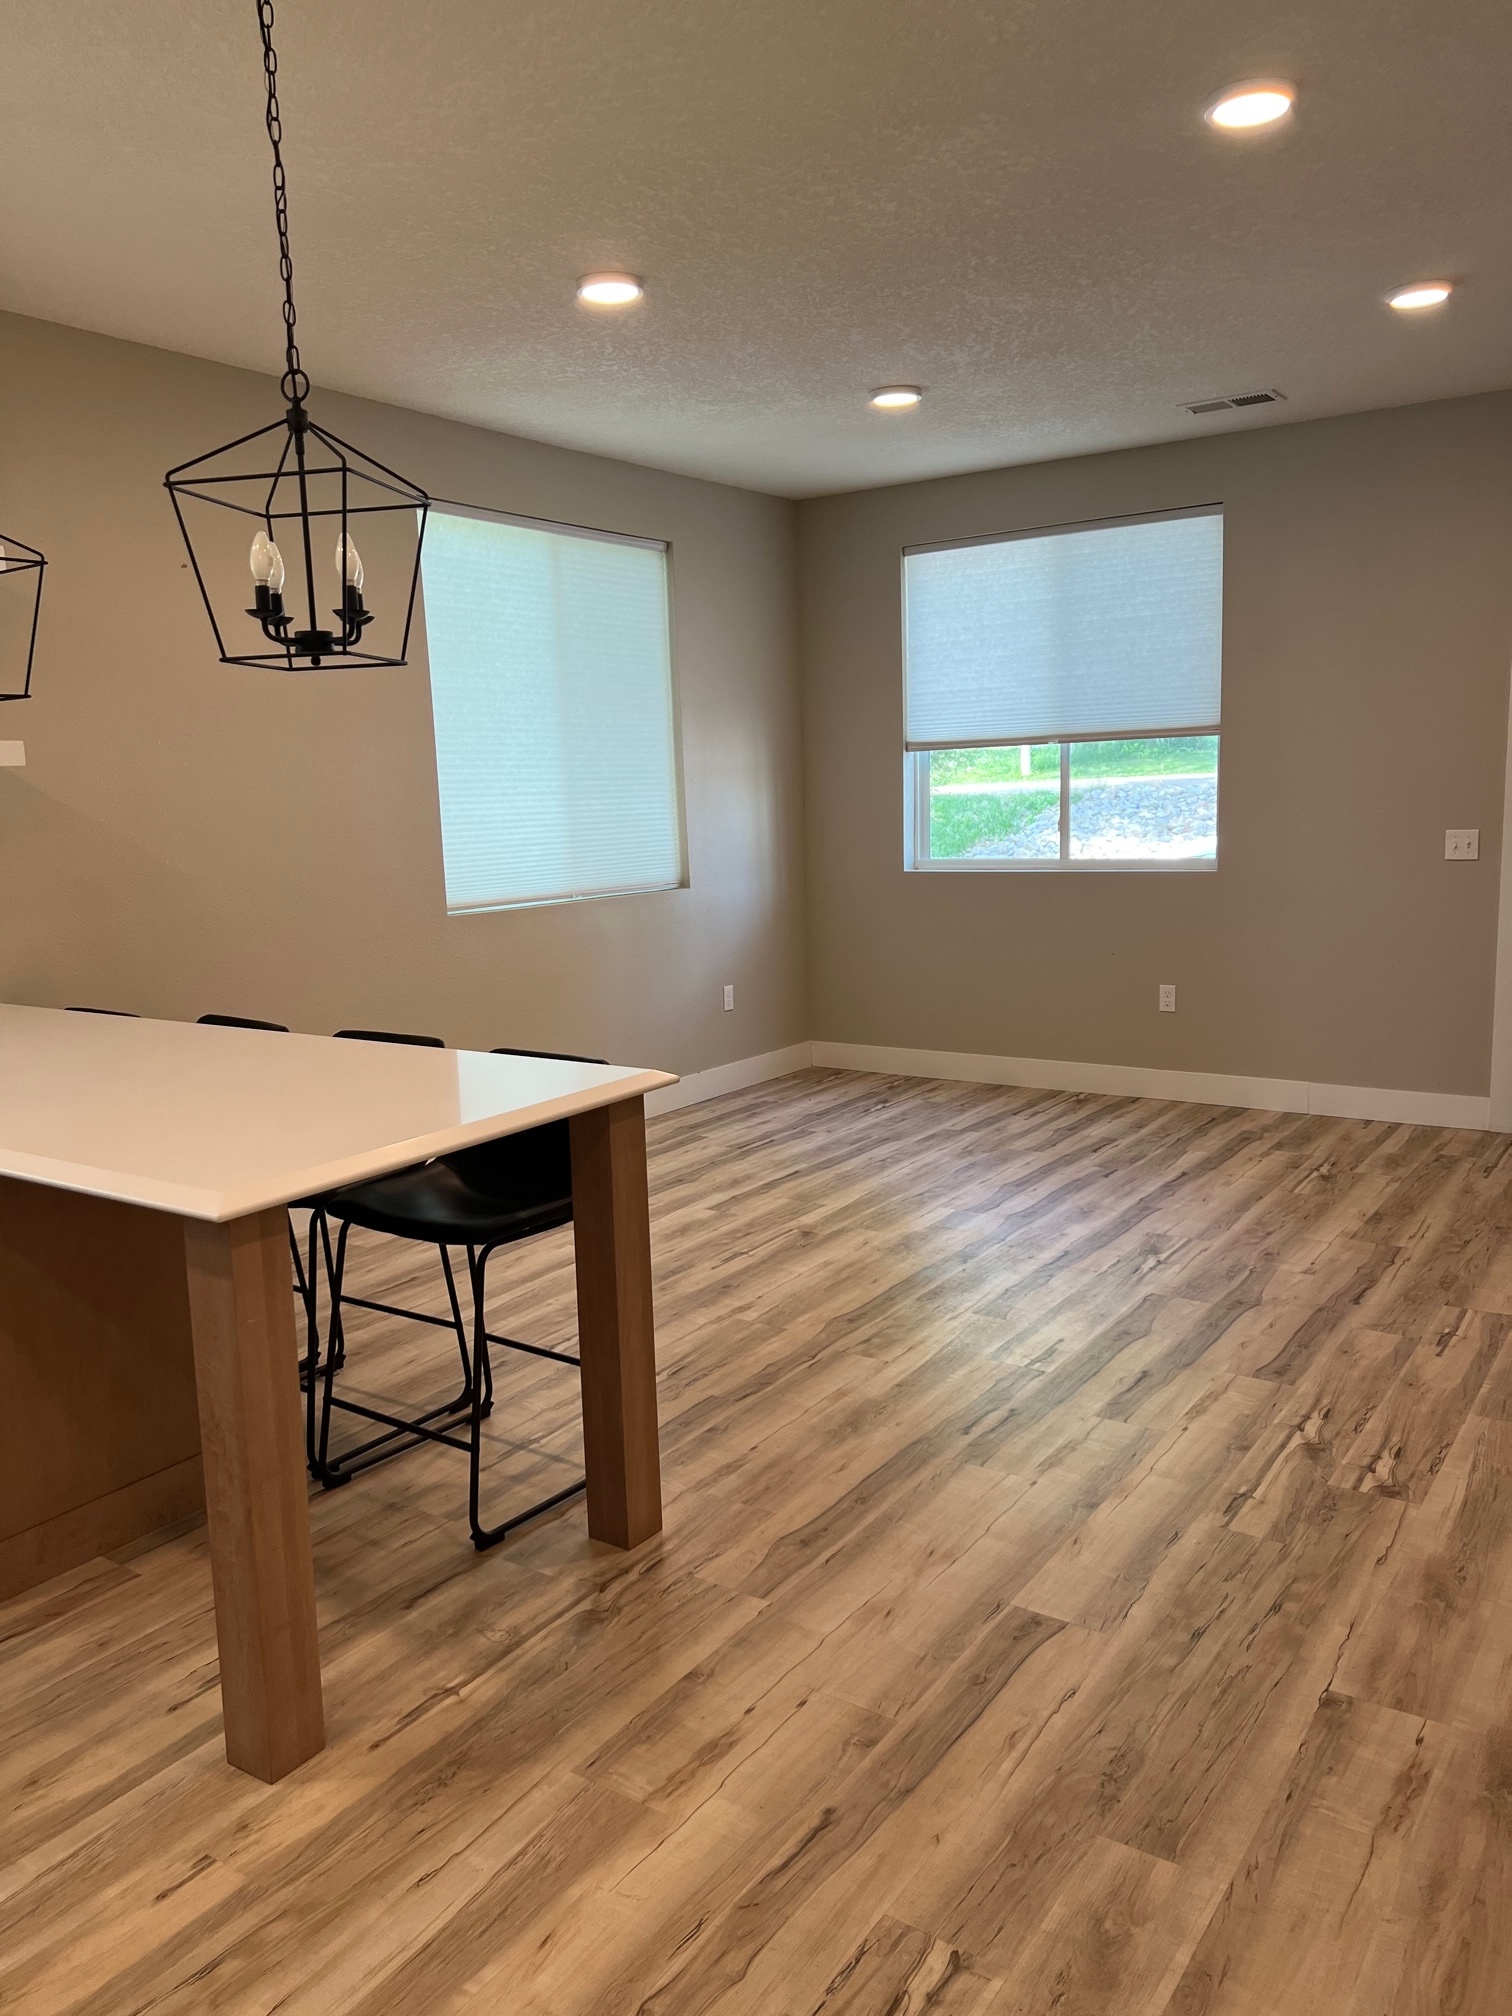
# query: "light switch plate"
12, 755
1462, 843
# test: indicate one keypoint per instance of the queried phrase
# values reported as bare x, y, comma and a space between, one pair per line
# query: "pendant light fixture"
287, 501
20, 604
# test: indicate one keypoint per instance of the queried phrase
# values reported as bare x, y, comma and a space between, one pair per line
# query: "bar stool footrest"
485, 1537
402, 1434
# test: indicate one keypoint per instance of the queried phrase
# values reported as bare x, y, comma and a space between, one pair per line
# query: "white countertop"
214, 1123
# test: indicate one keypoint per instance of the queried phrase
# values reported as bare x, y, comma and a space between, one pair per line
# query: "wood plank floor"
1087, 1588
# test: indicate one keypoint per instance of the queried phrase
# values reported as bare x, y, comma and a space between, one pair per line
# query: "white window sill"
998, 867
491, 909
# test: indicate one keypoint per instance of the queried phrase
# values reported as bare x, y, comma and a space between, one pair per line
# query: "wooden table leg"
616, 1342
256, 1498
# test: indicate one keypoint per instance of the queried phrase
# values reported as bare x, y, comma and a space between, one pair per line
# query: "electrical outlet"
1462, 843
729, 997
1168, 1000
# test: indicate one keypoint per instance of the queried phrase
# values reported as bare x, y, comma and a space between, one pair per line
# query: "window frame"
917, 858
452, 507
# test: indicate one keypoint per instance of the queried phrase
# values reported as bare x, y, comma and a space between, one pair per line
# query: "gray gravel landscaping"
1113, 819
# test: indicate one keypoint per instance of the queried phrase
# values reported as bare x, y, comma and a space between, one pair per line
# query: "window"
1062, 697
551, 688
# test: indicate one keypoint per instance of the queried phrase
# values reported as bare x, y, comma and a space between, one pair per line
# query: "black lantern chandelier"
20, 605
299, 485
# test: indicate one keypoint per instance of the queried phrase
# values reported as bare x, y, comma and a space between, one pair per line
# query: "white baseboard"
1203, 1088
721, 1078
1125, 1081
1417, 1109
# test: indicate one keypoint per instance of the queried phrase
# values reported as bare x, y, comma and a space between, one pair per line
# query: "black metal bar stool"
320, 1231
390, 1036
481, 1199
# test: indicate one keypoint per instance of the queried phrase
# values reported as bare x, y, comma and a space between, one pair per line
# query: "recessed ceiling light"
1261, 102
896, 398
609, 290
1425, 294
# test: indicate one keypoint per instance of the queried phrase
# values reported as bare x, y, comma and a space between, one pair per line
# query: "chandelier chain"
296, 385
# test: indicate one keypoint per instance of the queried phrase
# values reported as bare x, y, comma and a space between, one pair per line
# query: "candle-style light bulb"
348, 562
267, 563
4, 563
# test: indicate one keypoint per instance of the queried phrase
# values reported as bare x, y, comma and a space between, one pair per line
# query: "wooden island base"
150, 1364
99, 1434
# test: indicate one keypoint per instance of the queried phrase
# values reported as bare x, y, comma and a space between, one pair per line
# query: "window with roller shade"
555, 721
1063, 696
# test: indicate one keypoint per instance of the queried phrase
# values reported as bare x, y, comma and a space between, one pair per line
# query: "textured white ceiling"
1012, 202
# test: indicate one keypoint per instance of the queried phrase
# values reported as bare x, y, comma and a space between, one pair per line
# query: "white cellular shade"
1108, 630
551, 687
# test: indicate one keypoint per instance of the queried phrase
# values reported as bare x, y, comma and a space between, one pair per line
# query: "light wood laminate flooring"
1086, 1588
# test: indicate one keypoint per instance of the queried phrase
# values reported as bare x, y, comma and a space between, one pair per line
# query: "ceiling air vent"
1236, 402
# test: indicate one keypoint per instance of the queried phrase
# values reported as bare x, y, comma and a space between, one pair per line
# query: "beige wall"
188, 836
1368, 624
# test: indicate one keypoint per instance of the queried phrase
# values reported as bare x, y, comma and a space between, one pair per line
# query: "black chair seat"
391, 1036
244, 1022
433, 1203
479, 1198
